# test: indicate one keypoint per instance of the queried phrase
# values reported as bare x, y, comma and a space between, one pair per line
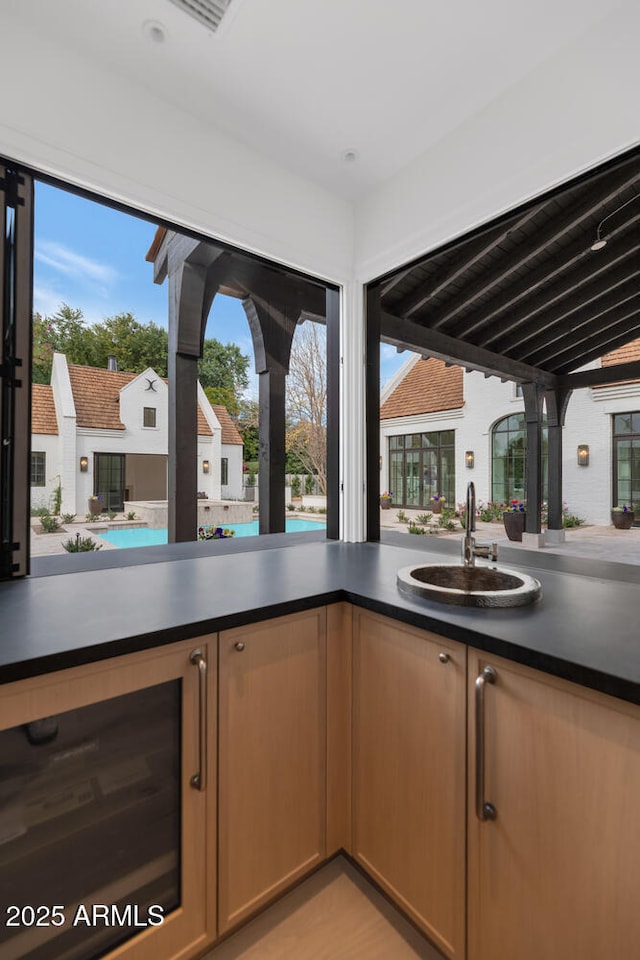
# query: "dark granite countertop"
585, 627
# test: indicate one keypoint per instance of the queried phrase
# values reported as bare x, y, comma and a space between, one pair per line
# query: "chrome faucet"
469, 549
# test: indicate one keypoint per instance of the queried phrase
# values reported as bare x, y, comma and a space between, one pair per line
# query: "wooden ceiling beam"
592, 327
602, 348
622, 321
542, 286
471, 253
602, 376
558, 325
581, 213
421, 339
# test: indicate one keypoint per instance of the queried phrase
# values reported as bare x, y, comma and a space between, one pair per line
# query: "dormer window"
149, 417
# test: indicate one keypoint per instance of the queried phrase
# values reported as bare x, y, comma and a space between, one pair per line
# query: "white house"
104, 432
441, 427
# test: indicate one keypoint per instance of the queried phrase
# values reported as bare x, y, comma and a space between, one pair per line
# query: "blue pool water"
144, 537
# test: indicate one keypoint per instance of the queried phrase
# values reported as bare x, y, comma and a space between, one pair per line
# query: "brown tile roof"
625, 354
229, 431
428, 386
43, 411
96, 394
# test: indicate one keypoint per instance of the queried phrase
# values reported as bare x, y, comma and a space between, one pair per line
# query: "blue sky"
93, 257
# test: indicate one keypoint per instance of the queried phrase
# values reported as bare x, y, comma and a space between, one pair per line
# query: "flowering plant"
623, 509
516, 506
438, 497
94, 497
386, 495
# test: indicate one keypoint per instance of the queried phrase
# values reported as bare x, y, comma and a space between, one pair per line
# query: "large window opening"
626, 461
421, 467
107, 395
509, 460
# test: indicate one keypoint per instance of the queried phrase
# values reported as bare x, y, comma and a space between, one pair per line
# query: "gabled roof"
96, 394
43, 410
229, 431
429, 386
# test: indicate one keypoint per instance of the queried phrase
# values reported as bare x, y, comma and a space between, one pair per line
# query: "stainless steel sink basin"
469, 586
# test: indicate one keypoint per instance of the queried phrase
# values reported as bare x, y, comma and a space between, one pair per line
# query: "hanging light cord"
613, 212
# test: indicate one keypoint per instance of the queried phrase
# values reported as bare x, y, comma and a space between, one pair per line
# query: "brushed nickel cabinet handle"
484, 810
239, 646
444, 657
199, 780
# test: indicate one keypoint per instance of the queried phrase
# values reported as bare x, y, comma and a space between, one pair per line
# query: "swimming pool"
144, 537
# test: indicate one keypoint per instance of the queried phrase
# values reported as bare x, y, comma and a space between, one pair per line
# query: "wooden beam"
467, 256
533, 396
604, 291
578, 214
601, 348
421, 339
556, 402
537, 286
601, 376
613, 319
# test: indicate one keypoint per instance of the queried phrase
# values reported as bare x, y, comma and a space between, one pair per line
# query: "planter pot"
435, 506
95, 507
385, 503
622, 520
514, 524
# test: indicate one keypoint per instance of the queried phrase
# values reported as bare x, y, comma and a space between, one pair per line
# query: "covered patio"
532, 297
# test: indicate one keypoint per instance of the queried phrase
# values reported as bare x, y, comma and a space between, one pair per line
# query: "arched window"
508, 459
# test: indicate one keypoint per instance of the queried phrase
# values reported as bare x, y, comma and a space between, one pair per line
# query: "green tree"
135, 346
247, 423
63, 332
223, 368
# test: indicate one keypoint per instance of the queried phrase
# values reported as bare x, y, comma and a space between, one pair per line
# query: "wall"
577, 109
50, 446
97, 129
587, 491
234, 489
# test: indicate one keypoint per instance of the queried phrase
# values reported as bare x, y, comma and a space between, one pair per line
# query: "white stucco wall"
234, 489
50, 445
587, 491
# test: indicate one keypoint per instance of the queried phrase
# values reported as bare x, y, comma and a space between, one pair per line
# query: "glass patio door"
626, 461
413, 478
109, 480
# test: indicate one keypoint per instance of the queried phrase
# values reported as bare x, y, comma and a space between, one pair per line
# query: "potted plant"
437, 502
95, 505
385, 500
515, 518
622, 517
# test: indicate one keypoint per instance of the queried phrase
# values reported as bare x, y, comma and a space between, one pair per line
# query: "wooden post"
533, 403
556, 402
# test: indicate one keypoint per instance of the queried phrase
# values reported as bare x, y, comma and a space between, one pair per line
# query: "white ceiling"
302, 81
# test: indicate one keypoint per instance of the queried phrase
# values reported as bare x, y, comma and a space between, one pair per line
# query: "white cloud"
75, 265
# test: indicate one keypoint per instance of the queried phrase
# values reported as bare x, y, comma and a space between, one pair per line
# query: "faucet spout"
469, 549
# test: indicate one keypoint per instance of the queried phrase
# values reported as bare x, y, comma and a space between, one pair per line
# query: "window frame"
148, 410
43, 454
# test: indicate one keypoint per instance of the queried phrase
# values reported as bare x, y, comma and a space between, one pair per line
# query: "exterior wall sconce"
583, 455
380, 463
84, 464
205, 466
469, 459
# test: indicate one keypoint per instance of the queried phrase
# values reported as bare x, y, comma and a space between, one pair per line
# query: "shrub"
401, 516
295, 486
322, 509
416, 528
49, 524
40, 512
309, 484
81, 544
56, 498
290, 507
131, 515
424, 518
111, 515
68, 517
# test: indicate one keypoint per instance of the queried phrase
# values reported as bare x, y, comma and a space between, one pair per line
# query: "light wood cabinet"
557, 873
409, 731
97, 808
272, 759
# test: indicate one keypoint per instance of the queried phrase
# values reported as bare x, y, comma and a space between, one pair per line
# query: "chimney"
112, 363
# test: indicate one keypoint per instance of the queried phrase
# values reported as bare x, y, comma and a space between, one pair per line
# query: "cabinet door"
102, 836
557, 873
409, 771
272, 759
